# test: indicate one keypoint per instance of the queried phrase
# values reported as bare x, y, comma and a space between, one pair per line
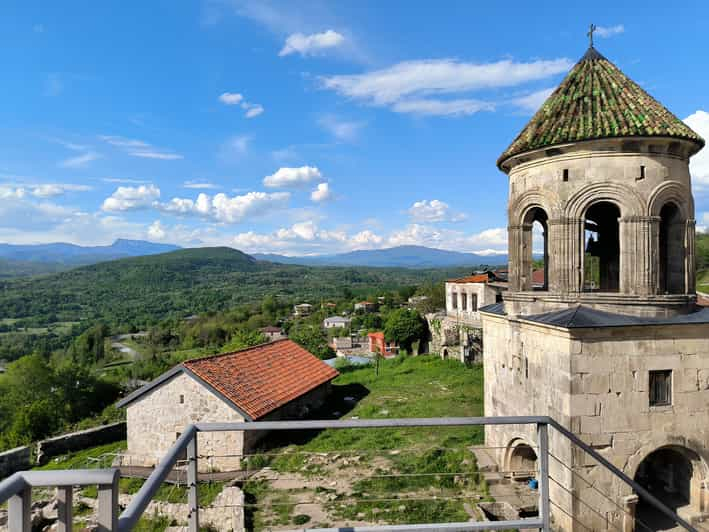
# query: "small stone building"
613, 345
275, 381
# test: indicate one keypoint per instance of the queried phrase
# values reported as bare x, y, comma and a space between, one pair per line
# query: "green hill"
140, 291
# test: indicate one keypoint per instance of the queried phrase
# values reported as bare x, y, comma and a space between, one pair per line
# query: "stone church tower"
613, 346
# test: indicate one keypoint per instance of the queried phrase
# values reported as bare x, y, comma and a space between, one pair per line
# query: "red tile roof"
260, 379
538, 277
479, 278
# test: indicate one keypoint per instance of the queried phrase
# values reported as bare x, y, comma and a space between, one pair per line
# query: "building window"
566, 174
464, 302
182, 399
474, 302
454, 300
661, 387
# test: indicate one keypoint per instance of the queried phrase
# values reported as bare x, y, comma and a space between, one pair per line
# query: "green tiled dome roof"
595, 101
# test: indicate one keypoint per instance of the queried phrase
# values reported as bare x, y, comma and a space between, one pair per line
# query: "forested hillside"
131, 294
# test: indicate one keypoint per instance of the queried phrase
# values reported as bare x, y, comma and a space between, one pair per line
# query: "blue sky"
302, 127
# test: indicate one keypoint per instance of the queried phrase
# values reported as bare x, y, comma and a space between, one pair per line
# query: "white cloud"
252, 109
131, 198
312, 44
407, 86
54, 189
533, 101
124, 180
609, 31
140, 148
292, 177
366, 239
234, 148
321, 193
79, 161
230, 98
150, 154
341, 129
226, 209
436, 107
433, 211
9, 192
699, 164
156, 231
199, 185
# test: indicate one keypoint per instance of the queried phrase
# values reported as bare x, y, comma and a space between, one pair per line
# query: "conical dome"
596, 101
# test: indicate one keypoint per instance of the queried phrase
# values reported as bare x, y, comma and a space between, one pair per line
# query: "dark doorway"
672, 250
523, 461
602, 242
667, 474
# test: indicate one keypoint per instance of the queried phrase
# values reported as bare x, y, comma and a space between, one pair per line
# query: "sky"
302, 127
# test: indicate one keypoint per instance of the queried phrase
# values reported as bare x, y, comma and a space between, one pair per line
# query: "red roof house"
277, 380
378, 344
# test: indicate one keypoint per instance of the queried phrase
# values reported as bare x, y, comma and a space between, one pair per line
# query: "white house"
336, 322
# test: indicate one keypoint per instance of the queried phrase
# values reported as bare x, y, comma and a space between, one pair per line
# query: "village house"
457, 332
365, 306
303, 309
274, 381
611, 343
336, 322
378, 344
272, 333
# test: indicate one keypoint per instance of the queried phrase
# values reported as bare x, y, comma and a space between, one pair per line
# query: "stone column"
566, 248
690, 261
639, 242
514, 235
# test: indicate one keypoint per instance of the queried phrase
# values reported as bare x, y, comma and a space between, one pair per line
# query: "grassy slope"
408, 387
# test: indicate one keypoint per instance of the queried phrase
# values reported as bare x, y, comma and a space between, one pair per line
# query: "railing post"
192, 494
543, 442
19, 511
65, 517
108, 505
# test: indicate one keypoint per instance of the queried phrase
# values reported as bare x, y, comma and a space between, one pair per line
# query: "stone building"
273, 381
613, 346
457, 332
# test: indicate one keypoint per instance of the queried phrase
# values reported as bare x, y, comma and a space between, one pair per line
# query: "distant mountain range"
20, 259
396, 257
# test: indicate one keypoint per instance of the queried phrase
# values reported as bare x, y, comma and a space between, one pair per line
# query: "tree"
243, 338
404, 327
312, 338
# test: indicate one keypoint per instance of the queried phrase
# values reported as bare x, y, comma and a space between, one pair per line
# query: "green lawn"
436, 462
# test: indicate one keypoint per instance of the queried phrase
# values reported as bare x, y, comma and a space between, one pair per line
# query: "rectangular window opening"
566, 174
182, 399
454, 300
642, 172
464, 302
474, 302
661, 387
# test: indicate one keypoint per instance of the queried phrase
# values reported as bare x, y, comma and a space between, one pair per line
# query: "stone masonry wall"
82, 439
595, 383
13, 460
156, 420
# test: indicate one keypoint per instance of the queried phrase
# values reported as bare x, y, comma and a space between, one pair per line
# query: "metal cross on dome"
591, 29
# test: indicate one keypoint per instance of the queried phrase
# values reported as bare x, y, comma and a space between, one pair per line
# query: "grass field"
347, 477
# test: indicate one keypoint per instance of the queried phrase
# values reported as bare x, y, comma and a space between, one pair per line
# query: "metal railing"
17, 488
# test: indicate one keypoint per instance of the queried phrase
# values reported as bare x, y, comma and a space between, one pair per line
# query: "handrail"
139, 503
17, 488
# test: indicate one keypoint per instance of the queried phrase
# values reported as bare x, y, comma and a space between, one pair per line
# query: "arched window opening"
669, 475
602, 245
672, 250
535, 253
523, 461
